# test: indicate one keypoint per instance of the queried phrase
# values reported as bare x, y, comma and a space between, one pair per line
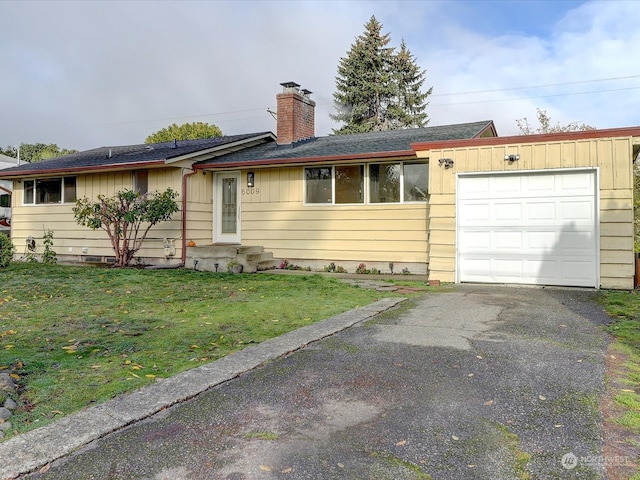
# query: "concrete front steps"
214, 258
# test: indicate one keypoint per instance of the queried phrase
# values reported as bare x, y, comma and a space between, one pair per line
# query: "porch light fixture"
447, 162
511, 158
250, 179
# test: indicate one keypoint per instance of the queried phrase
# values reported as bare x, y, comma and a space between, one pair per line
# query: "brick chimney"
296, 114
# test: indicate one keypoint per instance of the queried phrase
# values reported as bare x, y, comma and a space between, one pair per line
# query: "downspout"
184, 213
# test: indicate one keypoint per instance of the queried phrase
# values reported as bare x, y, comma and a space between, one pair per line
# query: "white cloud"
85, 74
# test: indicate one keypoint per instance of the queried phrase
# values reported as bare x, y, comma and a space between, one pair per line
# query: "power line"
526, 98
473, 92
168, 119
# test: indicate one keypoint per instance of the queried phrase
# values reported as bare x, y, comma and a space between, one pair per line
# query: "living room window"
342, 184
45, 191
385, 183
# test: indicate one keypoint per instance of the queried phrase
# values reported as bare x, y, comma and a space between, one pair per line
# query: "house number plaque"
250, 191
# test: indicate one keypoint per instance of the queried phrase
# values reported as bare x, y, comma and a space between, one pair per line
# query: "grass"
75, 336
624, 307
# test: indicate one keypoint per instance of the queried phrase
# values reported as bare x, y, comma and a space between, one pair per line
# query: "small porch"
216, 258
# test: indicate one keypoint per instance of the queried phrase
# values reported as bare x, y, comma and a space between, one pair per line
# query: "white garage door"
531, 228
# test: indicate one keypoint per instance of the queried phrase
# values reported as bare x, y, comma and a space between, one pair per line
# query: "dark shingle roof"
353, 144
105, 157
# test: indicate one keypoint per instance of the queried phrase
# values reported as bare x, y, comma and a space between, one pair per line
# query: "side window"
5, 200
44, 191
141, 181
349, 184
416, 182
384, 182
29, 189
318, 185
69, 189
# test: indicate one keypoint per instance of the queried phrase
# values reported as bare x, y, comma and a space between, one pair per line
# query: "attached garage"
552, 209
530, 228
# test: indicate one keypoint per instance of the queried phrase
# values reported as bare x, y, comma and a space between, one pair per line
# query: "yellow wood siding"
200, 208
73, 241
274, 216
611, 156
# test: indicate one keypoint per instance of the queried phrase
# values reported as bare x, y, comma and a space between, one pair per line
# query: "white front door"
227, 208
533, 228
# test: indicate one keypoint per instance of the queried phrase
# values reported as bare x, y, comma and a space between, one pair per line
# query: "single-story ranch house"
455, 202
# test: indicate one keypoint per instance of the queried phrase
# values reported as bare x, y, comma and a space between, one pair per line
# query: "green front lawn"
75, 336
624, 379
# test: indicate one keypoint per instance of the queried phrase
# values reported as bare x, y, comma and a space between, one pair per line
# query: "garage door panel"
508, 211
541, 212
505, 240
475, 241
576, 211
546, 235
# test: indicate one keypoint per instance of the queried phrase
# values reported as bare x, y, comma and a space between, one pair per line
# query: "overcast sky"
84, 74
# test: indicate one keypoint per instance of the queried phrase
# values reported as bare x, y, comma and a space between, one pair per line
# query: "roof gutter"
539, 138
112, 167
304, 160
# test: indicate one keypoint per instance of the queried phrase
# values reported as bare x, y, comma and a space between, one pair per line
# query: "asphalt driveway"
480, 382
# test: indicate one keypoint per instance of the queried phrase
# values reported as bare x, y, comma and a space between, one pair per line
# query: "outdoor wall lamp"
250, 179
447, 162
511, 158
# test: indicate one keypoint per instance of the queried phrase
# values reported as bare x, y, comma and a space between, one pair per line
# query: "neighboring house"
454, 202
5, 195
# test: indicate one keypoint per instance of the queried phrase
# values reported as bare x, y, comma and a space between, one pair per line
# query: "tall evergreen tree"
408, 107
377, 89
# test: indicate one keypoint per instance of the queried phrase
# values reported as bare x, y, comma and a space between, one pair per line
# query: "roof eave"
305, 160
538, 138
80, 170
226, 147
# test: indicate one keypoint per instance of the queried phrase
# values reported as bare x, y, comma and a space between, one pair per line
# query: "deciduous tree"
186, 131
35, 152
545, 125
127, 218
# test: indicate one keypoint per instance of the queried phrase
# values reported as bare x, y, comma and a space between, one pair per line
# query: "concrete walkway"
482, 382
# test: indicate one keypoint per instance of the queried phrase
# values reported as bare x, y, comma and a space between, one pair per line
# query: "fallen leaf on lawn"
401, 443
135, 375
96, 366
542, 397
150, 375
195, 346
488, 403
265, 468
7, 347
627, 390
454, 437
127, 362
15, 376
57, 412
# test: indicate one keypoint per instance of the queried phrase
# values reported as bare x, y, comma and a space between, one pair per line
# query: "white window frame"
366, 193
35, 181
